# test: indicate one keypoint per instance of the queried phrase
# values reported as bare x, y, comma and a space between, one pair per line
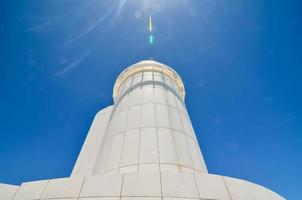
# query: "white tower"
148, 128
142, 147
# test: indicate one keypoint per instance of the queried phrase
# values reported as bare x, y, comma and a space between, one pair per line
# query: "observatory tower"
142, 147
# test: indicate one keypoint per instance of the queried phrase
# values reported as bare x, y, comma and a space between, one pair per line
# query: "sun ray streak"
78, 61
89, 29
120, 7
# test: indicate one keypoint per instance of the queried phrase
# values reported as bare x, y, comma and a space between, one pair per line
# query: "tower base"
143, 186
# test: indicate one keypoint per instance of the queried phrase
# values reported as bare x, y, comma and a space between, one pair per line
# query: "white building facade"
142, 147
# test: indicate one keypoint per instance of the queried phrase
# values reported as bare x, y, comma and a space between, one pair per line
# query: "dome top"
148, 65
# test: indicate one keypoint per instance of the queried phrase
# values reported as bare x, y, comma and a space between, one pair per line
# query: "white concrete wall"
7, 191
149, 130
89, 152
144, 186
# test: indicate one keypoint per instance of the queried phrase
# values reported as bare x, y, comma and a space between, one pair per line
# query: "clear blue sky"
240, 61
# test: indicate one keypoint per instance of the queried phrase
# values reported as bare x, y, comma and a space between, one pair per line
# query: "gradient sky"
240, 61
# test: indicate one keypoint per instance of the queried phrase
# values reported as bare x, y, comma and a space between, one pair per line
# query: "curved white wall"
149, 129
143, 186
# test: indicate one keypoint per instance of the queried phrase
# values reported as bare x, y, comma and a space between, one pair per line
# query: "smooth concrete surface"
89, 152
142, 147
31, 190
7, 191
146, 185
149, 127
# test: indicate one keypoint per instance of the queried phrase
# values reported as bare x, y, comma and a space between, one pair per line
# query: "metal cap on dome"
148, 65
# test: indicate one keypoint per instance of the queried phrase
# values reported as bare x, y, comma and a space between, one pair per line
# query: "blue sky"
240, 61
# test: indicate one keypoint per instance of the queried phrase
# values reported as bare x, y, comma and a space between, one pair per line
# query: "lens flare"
151, 39
150, 24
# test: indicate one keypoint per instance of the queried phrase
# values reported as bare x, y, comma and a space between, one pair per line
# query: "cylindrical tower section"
149, 129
